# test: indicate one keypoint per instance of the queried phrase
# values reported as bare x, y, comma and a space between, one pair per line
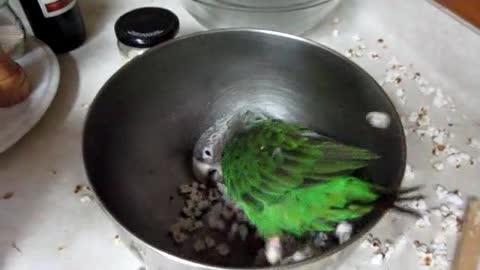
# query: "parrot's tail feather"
410, 198
389, 200
408, 211
383, 191
410, 189
315, 178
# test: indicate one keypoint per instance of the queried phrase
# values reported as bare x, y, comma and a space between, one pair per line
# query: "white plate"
43, 71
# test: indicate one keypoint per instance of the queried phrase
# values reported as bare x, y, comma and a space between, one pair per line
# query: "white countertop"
46, 226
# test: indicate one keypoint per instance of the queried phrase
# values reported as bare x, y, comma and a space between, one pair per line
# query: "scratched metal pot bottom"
143, 124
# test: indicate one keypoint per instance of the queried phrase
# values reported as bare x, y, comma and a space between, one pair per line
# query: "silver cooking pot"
144, 122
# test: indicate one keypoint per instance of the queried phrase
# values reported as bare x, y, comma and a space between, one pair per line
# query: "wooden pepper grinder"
14, 85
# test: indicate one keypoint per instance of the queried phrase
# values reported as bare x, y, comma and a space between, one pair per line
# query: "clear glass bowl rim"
264, 6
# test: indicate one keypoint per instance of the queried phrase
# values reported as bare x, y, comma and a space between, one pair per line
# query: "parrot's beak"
205, 172
215, 175
201, 170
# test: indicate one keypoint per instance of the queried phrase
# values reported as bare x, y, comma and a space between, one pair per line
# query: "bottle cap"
146, 27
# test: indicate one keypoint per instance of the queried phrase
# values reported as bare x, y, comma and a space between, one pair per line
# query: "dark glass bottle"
58, 23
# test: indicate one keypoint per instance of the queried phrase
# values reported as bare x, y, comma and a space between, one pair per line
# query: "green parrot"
287, 179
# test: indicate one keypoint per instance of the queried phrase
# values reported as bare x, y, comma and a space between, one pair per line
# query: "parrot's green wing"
282, 173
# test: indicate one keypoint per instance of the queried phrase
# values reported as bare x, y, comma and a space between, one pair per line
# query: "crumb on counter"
8, 195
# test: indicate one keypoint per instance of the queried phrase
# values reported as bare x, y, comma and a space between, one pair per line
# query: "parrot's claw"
410, 190
408, 211
411, 198
404, 196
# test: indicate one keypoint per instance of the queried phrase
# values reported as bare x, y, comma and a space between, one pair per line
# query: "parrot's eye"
207, 154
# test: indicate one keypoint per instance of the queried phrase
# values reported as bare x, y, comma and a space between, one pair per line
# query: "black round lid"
146, 27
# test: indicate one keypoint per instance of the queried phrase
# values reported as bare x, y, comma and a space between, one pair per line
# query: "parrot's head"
207, 162
207, 153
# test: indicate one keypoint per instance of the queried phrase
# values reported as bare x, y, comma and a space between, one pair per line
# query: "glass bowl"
289, 16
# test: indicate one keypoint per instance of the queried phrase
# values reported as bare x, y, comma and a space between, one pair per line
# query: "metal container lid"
146, 27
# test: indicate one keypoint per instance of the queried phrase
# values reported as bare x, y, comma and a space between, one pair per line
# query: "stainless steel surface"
289, 16
143, 124
45, 213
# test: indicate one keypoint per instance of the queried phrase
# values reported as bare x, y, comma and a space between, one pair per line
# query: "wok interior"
143, 125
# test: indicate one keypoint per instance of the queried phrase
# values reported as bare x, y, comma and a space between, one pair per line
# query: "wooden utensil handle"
467, 9
468, 249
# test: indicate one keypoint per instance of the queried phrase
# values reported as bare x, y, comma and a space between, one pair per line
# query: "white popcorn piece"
458, 159
344, 232
379, 120
439, 100
455, 199
400, 92
423, 118
474, 143
440, 137
86, 198
381, 251
378, 259
450, 224
451, 211
335, 33
356, 38
441, 191
426, 91
117, 240
423, 222
409, 173
273, 250
438, 166
358, 54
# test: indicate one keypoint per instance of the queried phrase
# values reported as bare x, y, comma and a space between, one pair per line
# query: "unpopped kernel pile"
205, 207
206, 210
